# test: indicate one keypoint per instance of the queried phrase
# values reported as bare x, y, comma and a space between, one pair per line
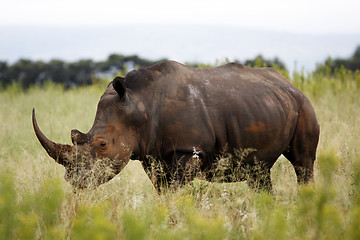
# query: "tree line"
79, 73
86, 71
352, 63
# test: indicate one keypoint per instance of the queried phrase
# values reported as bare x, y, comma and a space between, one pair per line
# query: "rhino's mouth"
83, 168
90, 177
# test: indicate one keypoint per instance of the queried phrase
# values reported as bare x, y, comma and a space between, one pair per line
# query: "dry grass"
37, 203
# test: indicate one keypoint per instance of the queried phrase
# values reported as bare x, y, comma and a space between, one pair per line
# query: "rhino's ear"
119, 86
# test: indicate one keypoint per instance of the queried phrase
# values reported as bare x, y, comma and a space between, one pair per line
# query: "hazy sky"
300, 16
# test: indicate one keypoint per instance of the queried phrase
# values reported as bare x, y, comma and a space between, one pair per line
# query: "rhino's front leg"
177, 169
157, 172
184, 167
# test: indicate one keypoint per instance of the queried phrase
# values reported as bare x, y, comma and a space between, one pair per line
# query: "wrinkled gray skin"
168, 109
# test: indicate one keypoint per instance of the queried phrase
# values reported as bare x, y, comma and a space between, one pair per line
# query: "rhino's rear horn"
59, 152
78, 137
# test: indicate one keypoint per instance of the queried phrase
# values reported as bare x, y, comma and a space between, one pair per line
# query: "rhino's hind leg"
302, 149
303, 166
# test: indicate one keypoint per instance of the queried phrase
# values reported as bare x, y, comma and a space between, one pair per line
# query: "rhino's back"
177, 81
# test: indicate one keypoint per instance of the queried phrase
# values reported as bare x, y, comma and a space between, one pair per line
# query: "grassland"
36, 202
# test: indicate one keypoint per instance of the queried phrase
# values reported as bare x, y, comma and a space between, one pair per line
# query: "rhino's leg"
258, 177
302, 148
174, 171
157, 173
183, 168
303, 165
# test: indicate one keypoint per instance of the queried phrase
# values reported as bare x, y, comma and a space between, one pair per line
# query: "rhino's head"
97, 156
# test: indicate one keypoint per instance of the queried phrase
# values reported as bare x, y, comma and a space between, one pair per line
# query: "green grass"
37, 203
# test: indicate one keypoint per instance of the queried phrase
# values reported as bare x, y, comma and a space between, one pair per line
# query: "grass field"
37, 203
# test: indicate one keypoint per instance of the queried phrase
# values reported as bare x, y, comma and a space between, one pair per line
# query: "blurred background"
78, 40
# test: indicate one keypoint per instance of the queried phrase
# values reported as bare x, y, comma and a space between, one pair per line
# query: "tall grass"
36, 202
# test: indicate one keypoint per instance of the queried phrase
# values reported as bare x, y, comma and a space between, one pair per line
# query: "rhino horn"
59, 152
78, 137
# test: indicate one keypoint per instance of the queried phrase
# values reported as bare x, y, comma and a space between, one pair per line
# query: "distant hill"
182, 43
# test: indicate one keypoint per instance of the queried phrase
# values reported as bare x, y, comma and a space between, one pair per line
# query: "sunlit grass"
37, 203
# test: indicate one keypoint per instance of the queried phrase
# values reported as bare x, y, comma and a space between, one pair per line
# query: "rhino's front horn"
59, 152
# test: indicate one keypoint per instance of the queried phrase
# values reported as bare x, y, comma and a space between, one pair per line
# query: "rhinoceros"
187, 119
